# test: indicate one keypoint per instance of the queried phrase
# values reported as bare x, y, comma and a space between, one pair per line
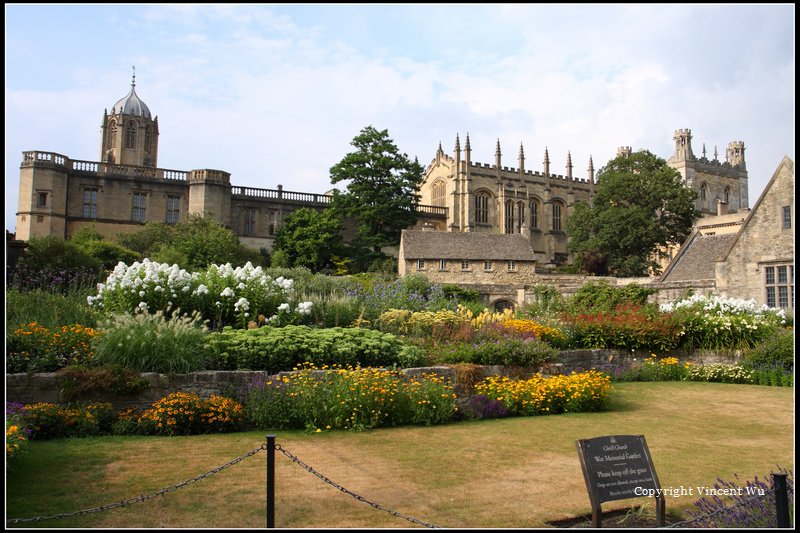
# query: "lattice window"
482, 208
90, 203
173, 209
130, 135
779, 285
139, 206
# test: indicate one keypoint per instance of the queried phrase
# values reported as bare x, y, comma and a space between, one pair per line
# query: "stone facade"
759, 263
125, 189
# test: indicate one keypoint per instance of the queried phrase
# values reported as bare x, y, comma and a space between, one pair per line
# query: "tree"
310, 238
640, 206
381, 192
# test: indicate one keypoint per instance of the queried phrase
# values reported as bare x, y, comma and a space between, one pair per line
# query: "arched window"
130, 135
148, 139
727, 196
520, 216
111, 135
481, 208
509, 227
704, 192
534, 214
438, 193
557, 216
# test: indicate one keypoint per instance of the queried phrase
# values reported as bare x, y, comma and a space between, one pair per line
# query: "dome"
132, 105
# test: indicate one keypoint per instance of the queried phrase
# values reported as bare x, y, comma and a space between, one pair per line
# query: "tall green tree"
310, 238
381, 193
640, 207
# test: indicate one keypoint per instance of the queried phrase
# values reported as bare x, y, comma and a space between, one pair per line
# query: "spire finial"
133, 80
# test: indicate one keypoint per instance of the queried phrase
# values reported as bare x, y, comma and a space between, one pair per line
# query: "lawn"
497, 473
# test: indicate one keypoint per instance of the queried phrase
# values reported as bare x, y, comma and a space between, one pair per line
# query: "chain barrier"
143, 497
356, 496
721, 511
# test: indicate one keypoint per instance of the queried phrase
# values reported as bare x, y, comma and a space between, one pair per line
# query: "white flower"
283, 307
143, 306
242, 304
227, 292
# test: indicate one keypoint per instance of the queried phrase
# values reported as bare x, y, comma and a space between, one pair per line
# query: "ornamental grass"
575, 393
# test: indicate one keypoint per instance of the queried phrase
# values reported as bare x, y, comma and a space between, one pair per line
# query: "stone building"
497, 199
757, 261
497, 266
125, 189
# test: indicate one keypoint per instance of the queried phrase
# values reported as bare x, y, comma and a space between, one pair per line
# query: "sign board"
618, 467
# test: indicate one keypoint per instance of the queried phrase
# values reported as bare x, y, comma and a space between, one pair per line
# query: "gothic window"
438, 193
130, 135
703, 192
727, 196
557, 216
148, 139
139, 199
248, 221
520, 216
534, 214
173, 209
111, 135
481, 208
90, 203
509, 217
779, 284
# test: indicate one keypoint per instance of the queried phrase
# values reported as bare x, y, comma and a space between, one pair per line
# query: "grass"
498, 473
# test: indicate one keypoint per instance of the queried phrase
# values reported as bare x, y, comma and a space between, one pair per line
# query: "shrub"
600, 296
184, 413
16, 430
480, 406
578, 392
438, 325
152, 343
720, 372
654, 369
627, 327
276, 349
352, 398
34, 348
777, 351
719, 322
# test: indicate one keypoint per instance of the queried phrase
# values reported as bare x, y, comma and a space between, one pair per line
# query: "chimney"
722, 207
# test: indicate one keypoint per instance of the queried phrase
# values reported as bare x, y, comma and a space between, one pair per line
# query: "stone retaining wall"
44, 387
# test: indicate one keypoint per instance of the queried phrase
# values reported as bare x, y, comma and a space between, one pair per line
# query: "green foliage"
185, 413
775, 352
280, 259
49, 309
193, 244
460, 294
54, 253
310, 238
50, 421
276, 349
34, 348
720, 372
381, 190
107, 253
627, 327
529, 353
152, 343
352, 398
600, 296
640, 205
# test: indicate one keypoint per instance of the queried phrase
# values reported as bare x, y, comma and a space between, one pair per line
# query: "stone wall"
44, 387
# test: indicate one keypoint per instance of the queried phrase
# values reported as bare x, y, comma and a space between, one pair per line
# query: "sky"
275, 93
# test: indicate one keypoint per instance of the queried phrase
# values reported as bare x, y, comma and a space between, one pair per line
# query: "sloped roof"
696, 258
418, 244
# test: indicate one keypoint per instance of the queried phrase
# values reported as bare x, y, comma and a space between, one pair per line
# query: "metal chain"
356, 496
143, 497
723, 510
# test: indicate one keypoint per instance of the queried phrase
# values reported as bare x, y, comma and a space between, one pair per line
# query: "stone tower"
130, 133
720, 186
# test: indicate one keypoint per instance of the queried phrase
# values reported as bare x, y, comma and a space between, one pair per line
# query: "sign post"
618, 467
